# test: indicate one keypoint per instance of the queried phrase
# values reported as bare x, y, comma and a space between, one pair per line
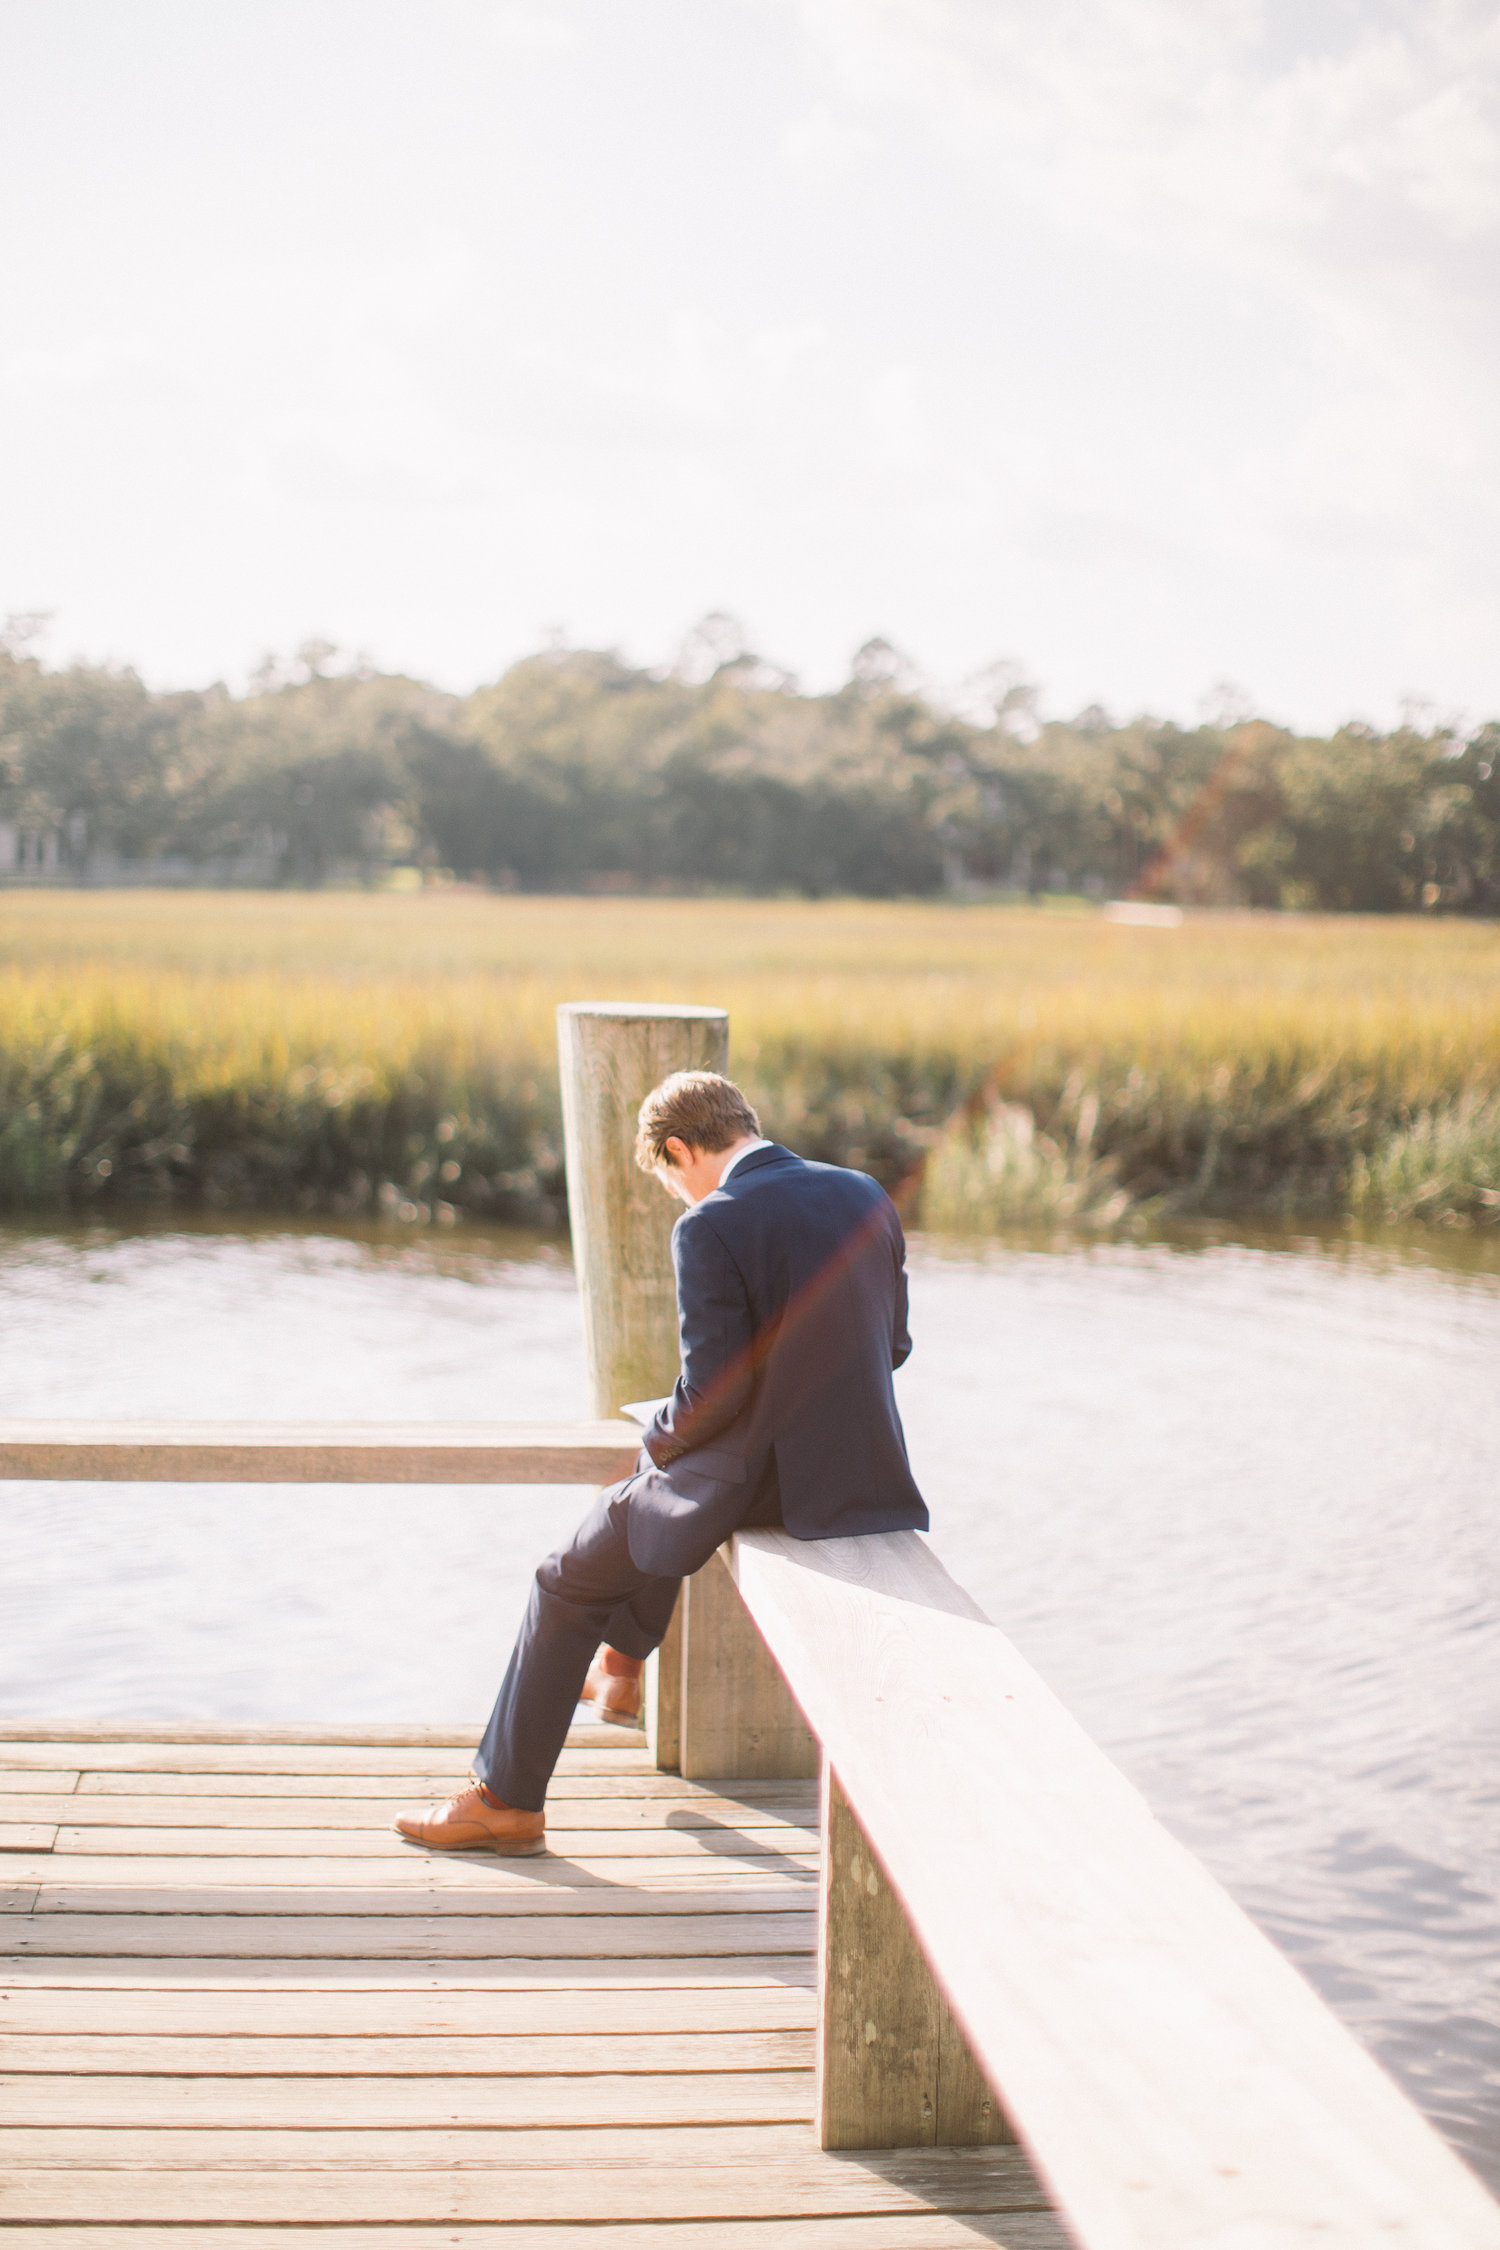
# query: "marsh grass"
347, 1051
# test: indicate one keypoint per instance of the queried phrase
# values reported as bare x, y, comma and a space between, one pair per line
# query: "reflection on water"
1233, 1497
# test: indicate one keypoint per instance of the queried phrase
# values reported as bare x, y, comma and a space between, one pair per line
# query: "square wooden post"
737, 1718
663, 1697
894, 2069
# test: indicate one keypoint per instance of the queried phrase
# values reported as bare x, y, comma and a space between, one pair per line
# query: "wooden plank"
55, 1781
405, 2104
1171, 2073
316, 1809
764, 2171
266, 1888
431, 2055
662, 1698
907, 2230
541, 1934
894, 2070
27, 1836
736, 1714
567, 1787
88, 1735
376, 1838
597, 1452
604, 1751
389, 1975
500, 1897
412, 2017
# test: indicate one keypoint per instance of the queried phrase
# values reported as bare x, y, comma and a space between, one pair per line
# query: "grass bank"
346, 1051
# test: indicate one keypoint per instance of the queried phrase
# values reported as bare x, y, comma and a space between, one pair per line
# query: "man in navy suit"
791, 1298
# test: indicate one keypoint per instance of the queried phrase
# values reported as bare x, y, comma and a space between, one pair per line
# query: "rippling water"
1235, 1499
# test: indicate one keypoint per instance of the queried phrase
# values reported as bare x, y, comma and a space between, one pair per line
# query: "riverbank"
349, 1052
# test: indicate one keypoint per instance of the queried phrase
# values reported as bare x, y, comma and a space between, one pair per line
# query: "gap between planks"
911, 2230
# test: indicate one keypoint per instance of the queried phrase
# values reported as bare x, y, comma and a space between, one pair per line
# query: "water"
1233, 1498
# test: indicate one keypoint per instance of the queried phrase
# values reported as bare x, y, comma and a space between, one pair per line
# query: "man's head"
687, 1128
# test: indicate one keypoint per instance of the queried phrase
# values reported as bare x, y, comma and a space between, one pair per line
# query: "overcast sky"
1150, 343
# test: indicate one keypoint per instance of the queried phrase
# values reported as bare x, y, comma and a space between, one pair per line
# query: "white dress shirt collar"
741, 1153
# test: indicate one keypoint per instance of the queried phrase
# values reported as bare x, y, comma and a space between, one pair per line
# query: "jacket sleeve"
717, 1335
900, 1333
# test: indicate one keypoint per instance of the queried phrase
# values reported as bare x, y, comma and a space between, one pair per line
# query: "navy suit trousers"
587, 1593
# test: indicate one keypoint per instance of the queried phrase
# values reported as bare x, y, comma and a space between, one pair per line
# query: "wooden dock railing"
1010, 1945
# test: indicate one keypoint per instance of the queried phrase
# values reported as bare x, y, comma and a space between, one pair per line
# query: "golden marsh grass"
320, 1049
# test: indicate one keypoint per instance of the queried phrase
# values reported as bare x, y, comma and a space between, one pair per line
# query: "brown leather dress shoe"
614, 1698
467, 1821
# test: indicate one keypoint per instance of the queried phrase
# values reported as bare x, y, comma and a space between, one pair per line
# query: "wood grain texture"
315, 1810
736, 1713
253, 1974
27, 1835
595, 1453
392, 2104
378, 1840
1171, 2074
662, 1694
409, 2015
790, 1800
227, 2004
894, 2070
908, 2230
184, 1748
428, 2054
720, 2172
452, 1936
610, 1055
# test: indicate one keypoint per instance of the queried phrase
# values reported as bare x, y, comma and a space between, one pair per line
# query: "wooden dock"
234, 1998
237, 2001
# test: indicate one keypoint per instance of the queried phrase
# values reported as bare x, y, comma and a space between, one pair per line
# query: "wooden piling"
611, 1053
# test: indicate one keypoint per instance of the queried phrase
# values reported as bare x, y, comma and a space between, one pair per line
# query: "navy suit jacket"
791, 1297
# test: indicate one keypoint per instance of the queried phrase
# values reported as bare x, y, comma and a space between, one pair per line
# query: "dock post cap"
644, 1011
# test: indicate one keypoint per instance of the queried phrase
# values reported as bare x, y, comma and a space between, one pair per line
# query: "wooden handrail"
320, 1453
1175, 2081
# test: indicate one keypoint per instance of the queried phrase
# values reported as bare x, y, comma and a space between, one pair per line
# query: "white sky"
1153, 343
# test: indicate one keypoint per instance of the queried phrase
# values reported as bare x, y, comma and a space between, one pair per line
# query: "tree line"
577, 771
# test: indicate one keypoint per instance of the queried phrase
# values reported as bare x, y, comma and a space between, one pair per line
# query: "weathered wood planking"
668, 1791
27, 1835
1171, 2074
379, 1841
349, 1753
909, 2230
430, 2055
228, 2004
488, 1973
390, 2104
176, 1800
717, 2172
639, 1928
405, 2014
598, 1452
